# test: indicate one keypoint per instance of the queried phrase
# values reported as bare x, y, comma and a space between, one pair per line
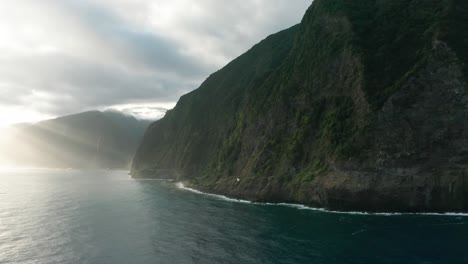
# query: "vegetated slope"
362, 106
86, 140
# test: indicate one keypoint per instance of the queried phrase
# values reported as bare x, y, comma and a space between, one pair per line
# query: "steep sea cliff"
362, 106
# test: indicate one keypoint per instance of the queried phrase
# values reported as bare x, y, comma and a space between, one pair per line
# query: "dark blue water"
52, 216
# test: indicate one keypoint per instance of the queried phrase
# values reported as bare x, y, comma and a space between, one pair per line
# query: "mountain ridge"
85, 140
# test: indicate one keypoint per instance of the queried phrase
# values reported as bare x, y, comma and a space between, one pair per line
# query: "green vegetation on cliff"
361, 106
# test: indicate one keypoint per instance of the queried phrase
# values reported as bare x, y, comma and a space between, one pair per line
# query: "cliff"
362, 106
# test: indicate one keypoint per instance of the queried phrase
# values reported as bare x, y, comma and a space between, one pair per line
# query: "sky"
59, 57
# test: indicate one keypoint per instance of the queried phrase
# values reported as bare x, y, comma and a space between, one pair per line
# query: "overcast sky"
65, 56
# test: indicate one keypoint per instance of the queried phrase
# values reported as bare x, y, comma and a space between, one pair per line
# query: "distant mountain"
363, 106
86, 140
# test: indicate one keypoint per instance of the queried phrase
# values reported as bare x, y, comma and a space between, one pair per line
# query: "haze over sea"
69, 216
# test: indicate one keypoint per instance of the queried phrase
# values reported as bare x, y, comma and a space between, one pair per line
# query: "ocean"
100, 217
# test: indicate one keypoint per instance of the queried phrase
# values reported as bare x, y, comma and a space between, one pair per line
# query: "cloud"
61, 57
152, 111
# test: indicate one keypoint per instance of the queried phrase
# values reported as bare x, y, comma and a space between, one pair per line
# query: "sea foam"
181, 186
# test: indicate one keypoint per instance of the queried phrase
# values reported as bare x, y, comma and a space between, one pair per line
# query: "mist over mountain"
362, 106
86, 140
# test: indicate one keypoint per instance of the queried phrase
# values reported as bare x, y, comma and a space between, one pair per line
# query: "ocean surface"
68, 216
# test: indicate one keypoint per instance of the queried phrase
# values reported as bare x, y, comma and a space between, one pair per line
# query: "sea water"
72, 216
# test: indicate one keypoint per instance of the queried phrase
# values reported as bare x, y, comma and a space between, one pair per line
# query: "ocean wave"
147, 179
181, 186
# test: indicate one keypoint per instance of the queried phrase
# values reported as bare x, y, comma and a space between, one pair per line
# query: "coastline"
182, 186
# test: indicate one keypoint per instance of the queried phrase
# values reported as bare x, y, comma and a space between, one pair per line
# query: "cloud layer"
61, 57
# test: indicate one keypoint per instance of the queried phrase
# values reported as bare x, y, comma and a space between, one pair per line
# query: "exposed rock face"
362, 106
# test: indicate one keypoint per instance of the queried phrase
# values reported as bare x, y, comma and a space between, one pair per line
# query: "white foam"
181, 186
147, 179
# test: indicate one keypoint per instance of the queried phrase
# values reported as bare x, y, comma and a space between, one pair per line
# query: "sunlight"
15, 115
149, 111
10, 116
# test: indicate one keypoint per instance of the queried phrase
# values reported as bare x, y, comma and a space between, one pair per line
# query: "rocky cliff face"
362, 106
